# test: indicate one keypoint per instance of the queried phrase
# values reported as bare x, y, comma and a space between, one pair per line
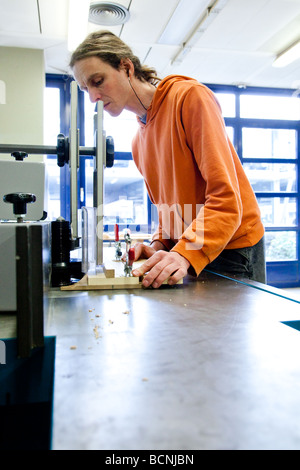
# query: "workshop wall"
21, 115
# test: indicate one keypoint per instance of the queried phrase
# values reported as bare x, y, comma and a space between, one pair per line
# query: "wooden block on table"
109, 273
120, 282
100, 282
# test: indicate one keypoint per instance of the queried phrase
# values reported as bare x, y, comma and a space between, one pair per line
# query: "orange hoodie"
193, 174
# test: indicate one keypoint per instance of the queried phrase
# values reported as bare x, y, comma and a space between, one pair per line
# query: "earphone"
135, 91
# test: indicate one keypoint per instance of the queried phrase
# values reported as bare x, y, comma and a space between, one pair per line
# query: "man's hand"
142, 251
161, 266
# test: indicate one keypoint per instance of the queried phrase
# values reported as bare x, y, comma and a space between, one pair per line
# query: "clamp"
129, 255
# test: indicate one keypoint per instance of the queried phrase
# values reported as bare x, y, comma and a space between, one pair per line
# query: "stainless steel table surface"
204, 365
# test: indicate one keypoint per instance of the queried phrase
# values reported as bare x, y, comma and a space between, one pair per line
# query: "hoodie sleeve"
220, 215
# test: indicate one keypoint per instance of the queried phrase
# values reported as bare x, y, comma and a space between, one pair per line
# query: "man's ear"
127, 66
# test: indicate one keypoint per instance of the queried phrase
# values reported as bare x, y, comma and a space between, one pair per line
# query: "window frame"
279, 273
63, 83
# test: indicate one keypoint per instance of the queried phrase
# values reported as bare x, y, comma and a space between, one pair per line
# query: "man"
208, 213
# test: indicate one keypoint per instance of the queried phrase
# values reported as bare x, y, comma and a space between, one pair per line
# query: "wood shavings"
96, 332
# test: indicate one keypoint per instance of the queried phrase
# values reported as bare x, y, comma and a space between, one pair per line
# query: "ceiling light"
78, 22
288, 56
182, 20
208, 16
108, 14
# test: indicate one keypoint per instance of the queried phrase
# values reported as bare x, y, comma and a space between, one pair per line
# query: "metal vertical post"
74, 160
99, 183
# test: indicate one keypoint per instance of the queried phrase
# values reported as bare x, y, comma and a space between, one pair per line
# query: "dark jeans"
246, 262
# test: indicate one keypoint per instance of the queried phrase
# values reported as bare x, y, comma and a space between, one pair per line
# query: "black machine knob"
19, 201
19, 155
62, 150
110, 152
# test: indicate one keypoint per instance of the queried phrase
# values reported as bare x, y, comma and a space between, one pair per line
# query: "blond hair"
112, 50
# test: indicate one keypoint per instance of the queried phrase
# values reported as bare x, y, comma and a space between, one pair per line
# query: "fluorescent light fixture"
210, 13
78, 22
288, 56
182, 20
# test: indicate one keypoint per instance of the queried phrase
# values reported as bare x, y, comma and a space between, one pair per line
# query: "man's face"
103, 83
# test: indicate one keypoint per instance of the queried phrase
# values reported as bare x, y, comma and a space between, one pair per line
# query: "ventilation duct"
108, 14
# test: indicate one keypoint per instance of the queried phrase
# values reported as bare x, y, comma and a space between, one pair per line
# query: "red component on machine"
116, 232
131, 256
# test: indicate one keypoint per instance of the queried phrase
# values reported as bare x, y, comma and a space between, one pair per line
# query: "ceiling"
236, 46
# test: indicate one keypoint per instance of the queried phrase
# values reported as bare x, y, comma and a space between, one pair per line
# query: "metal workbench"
204, 365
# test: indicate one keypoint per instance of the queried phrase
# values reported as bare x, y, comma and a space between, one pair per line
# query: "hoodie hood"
162, 91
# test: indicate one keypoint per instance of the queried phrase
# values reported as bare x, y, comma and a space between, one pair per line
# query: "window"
57, 120
125, 196
275, 177
227, 102
122, 128
260, 106
264, 125
281, 246
269, 143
